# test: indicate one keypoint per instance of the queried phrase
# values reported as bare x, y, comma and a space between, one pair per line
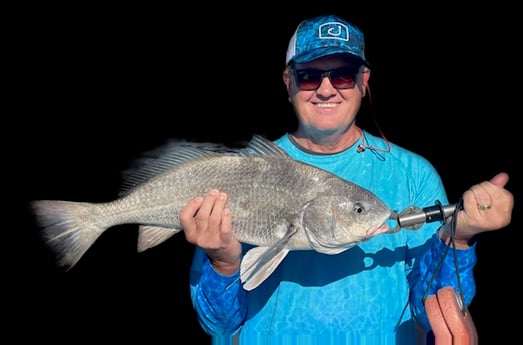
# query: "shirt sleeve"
219, 300
439, 267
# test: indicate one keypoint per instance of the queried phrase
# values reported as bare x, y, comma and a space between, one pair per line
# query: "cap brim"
315, 54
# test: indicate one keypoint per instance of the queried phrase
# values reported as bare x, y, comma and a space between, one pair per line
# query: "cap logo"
334, 31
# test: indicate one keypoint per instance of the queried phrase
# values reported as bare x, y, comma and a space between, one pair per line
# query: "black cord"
459, 206
452, 244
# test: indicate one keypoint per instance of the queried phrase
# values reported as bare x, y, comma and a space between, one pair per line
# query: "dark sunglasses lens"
343, 78
308, 79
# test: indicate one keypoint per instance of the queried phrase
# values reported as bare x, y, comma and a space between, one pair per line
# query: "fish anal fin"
150, 236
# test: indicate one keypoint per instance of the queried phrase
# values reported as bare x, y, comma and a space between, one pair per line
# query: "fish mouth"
376, 230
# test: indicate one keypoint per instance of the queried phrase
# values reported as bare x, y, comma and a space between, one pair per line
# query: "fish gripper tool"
413, 217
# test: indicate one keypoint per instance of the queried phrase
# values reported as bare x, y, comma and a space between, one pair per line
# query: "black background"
93, 86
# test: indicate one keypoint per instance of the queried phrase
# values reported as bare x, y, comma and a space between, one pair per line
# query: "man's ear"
365, 76
287, 78
287, 81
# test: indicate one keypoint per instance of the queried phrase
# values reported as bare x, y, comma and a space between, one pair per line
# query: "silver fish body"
278, 205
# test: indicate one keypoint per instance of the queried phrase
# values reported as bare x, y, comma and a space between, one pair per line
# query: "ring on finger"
483, 207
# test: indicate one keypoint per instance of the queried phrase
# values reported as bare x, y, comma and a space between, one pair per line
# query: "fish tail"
68, 228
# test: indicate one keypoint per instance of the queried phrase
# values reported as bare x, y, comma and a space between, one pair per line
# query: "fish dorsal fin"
177, 152
260, 262
260, 146
150, 236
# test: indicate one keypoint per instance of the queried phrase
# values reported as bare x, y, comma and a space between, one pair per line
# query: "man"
374, 292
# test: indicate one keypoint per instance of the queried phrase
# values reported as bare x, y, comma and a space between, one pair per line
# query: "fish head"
334, 223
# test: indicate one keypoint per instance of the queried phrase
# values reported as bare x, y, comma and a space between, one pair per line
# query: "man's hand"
207, 223
487, 206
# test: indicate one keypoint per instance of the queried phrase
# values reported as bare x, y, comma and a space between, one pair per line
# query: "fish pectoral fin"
150, 236
259, 263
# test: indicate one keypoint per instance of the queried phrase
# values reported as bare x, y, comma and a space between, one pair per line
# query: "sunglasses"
309, 79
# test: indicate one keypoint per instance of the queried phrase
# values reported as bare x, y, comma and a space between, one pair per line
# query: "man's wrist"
225, 268
445, 235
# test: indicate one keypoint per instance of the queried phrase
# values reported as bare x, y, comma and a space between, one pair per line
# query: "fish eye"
358, 208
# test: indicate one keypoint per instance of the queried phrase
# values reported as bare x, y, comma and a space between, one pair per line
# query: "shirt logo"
334, 31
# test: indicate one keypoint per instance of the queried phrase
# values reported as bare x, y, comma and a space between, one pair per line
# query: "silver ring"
483, 207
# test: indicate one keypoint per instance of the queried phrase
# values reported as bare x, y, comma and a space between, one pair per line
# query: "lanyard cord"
442, 260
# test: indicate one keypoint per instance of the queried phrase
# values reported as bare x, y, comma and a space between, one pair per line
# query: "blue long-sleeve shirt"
370, 293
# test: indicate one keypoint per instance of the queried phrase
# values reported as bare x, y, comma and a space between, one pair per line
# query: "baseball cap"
325, 35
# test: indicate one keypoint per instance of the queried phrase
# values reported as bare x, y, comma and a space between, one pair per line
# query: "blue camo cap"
325, 35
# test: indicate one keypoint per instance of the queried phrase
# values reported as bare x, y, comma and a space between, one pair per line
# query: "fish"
278, 204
